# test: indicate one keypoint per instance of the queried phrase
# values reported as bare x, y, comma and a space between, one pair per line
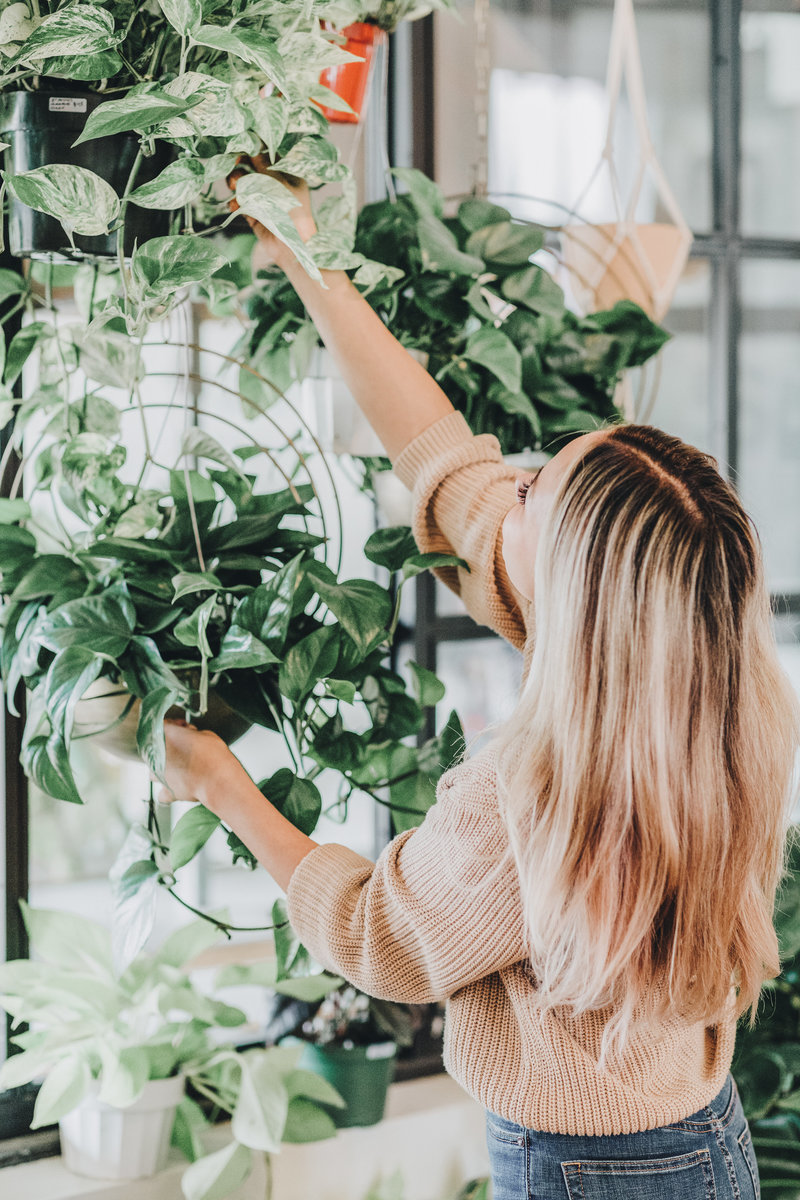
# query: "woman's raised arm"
398, 396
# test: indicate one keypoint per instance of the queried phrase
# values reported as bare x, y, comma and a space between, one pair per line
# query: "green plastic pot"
360, 1074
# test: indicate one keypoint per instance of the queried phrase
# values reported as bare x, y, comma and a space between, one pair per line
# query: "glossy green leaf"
270, 202
248, 44
179, 183
134, 885
68, 677
476, 213
139, 112
362, 607
298, 799
105, 622
534, 288
199, 443
150, 731
314, 159
267, 611
22, 346
504, 244
312, 658
164, 265
425, 195
190, 834
241, 649
418, 563
78, 29
86, 67
492, 349
216, 1175
110, 358
183, 15
440, 251
63, 1089
12, 283
391, 546
262, 1105
82, 201
46, 761
307, 1122
193, 629
428, 688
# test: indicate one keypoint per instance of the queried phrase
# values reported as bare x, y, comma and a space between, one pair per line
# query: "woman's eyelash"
522, 489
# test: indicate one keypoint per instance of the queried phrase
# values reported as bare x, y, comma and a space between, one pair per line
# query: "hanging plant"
463, 290
183, 584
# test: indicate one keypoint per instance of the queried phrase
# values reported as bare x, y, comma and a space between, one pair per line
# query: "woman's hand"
270, 250
197, 763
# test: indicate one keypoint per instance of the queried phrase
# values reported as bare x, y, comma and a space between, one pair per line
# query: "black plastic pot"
40, 128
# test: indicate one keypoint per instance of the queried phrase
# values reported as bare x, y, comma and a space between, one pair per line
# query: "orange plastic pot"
349, 80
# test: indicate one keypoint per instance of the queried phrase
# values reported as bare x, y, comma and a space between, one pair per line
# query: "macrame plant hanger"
625, 259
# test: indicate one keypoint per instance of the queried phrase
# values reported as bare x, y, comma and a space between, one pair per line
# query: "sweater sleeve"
462, 491
440, 908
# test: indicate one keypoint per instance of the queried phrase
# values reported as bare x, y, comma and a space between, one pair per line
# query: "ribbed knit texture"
439, 917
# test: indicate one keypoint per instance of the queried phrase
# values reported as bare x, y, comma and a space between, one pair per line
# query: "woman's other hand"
270, 250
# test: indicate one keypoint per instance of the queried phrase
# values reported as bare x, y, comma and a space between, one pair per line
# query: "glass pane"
674, 388
548, 107
770, 145
769, 435
482, 677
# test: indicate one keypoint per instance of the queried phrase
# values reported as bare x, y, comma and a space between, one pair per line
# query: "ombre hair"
646, 774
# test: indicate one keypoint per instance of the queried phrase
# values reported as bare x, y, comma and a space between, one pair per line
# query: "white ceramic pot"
122, 1143
99, 715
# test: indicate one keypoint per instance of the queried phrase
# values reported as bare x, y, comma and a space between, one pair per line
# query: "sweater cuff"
429, 445
327, 872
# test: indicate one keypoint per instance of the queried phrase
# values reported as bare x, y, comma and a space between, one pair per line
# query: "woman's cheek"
519, 555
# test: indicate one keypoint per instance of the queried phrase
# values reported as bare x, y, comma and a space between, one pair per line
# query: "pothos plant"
499, 336
180, 580
96, 1029
211, 81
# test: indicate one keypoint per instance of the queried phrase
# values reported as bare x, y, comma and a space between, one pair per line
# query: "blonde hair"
646, 774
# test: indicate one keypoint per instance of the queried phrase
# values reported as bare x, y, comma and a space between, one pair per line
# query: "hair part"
646, 774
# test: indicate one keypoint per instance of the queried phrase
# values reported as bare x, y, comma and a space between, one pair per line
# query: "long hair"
646, 774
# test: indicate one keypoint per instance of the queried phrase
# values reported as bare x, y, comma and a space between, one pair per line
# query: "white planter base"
122, 1143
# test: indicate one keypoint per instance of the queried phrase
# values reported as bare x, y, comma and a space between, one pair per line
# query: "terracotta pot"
644, 265
109, 715
349, 80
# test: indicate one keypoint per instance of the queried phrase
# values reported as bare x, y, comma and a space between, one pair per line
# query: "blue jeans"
709, 1156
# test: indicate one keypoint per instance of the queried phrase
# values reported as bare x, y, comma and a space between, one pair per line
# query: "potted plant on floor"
463, 291
133, 1062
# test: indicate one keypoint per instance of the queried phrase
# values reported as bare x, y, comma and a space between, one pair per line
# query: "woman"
593, 894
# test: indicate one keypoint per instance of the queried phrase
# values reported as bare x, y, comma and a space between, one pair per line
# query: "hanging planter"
626, 259
104, 1142
109, 714
349, 80
40, 128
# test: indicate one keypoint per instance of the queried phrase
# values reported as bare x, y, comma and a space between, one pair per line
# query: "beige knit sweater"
439, 915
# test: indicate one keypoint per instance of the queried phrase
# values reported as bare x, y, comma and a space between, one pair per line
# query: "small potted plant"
133, 1062
347, 1037
366, 29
